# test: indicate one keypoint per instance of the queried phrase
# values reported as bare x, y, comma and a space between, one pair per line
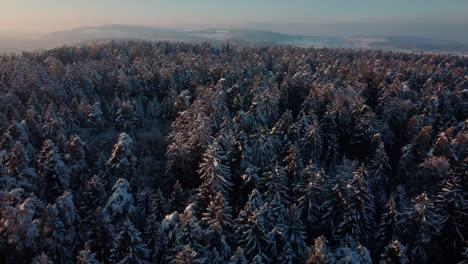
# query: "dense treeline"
181, 153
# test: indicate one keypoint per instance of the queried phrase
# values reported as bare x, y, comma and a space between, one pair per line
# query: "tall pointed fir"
294, 233
85, 256
120, 204
75, 158
319, 253
238, 257
56, 241
314, 193
42, 259
122, 161
389, 225
215, 176
218, 222
312, 142
335, 204
394, 253
254, 238
359, 216
54, 179
265, 151
187, 256
190, 231
380, 168
293, 164
97, 234
274, 181
177, 199
451, 205
92, 197
275, 213
18, 170
423, 225
128, 246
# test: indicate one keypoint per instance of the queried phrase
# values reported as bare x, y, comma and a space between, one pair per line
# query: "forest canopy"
139, 152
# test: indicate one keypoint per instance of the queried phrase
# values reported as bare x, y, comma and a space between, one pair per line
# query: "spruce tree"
51, 169
359, 215
120, 204
451, 205
122, 161
389, 225
394, 253
254, 238
423, 225
215, 176
128, 246
187, 256
294, 233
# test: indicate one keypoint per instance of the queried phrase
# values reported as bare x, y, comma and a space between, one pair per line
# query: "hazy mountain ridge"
86, 35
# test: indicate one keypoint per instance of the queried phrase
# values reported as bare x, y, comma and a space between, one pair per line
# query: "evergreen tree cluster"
177, 153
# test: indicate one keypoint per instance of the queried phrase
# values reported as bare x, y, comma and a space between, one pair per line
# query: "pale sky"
51, 15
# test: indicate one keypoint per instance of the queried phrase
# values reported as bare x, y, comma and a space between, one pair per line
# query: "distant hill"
251, 35
87, 35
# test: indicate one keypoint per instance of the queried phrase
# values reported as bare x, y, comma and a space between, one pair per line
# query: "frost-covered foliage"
121, 203
137, 152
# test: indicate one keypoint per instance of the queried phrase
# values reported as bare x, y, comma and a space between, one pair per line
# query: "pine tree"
312, 142
255, 201
293, 164
331, 147
314, 195
451, 205
294, 233
98, 234
190, 231
423, 223
122, 161
394, 253
276, 243
42, 259
158, 206
351, 252
275, 212
177, 199
86, 257
214, 174
275, 183
319, 252
265, 151
288, 255
120, 204
126, 116
57, 243
238, 257
21, 224
441, 146
51, 125
75, 157
18, 169
359, 216
218, 221
128, 246
389, 223
187, 256
380, 168
51, 169
92, 196
260, 259
254, 238
335, 204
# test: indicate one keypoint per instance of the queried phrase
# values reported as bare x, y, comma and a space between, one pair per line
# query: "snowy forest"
179, 153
